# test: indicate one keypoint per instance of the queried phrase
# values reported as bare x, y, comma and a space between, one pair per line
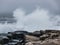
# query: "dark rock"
21, 32
37, 37
4, 39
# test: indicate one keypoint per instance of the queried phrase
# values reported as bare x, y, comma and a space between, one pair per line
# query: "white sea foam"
38, 19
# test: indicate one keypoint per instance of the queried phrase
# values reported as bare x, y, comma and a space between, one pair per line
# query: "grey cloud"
30, 5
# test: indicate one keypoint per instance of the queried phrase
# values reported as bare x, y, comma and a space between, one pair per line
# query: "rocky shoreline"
42, 37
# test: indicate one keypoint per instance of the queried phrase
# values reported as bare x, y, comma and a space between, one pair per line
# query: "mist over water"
39, 19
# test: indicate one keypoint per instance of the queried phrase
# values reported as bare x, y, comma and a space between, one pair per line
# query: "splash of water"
38, 19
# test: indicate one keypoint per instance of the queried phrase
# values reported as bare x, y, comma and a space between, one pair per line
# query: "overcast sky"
7, 6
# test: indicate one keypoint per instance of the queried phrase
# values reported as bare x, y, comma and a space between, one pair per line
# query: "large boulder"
4, 39
31, 38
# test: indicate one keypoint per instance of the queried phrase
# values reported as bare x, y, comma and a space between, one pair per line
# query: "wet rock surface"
47, 37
